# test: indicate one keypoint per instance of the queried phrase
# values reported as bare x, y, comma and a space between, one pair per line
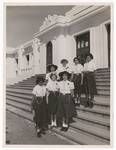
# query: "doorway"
108, 28
82, 46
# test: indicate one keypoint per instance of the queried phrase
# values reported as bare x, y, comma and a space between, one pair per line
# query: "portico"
83, 29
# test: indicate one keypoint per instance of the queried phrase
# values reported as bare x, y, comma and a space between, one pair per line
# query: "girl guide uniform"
89, 78
66, 108
77, 77
52, 90
39, 105
51, 69
64, 66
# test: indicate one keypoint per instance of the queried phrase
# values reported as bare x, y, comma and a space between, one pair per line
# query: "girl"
64, 66
77, 77
66, 109
39, 106
51, 69
89, 80
52, 92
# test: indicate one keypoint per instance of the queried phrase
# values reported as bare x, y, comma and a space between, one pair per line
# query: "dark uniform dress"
52, 87
66, 108
39, 106
77, 70
89, 79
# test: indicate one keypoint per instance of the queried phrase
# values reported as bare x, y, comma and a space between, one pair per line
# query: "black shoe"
86, 104
62, 129
43, 131
39, 134
90, 104
39, 131
66, 129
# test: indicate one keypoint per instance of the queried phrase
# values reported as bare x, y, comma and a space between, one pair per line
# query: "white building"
83, 29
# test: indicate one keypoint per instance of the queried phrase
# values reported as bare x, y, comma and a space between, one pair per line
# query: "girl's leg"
54, 116
52, 120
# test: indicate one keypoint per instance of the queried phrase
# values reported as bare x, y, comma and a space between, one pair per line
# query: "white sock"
54, 123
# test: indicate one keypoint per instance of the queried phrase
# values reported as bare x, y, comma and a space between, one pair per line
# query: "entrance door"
83, 45
49, 53
108, 33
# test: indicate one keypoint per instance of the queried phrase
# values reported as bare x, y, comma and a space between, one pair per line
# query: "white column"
64, 47
99, 46
20, 59
42, 60
36, 56
10, 67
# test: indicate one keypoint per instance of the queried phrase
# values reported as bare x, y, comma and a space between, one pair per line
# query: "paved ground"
21, 131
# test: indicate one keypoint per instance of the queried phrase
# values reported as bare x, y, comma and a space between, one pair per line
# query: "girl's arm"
72, 92
47, 94
72, 74
81, 78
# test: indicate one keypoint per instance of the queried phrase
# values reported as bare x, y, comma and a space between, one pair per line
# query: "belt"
77, 74
65, 93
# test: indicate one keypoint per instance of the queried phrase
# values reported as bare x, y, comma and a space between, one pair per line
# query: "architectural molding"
51, 20
78, 13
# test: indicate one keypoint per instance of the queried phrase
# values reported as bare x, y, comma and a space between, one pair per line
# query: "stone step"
19, 95
27, 102
102, 80
19, 100
22, 91
23, 100
94, 111
103, 123
102, 92
31, 85
102, 77
102, 73
102, 134
102, 100
103, 70
26, 107
81, 137
103, 84
72, 134
18, 105
29, 90
99, 100
97, 104
104, 88
94, 120
22, 87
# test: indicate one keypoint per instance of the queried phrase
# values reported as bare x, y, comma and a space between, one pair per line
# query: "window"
83, 45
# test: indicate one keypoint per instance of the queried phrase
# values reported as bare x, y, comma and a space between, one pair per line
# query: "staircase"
91, 127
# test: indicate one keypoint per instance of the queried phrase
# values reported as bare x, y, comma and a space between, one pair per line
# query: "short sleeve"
85, 67
71, 85
47, 76
48, 85
81, 68
34, 90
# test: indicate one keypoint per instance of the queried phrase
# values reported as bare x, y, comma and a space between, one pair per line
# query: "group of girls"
55, 97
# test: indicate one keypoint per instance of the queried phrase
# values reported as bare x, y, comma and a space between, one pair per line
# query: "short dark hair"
51, 65
64, 60
64, 72
39, 79
90, 55
75, 59
52, 74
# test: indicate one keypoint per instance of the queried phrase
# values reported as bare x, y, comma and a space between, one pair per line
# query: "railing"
26, 69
